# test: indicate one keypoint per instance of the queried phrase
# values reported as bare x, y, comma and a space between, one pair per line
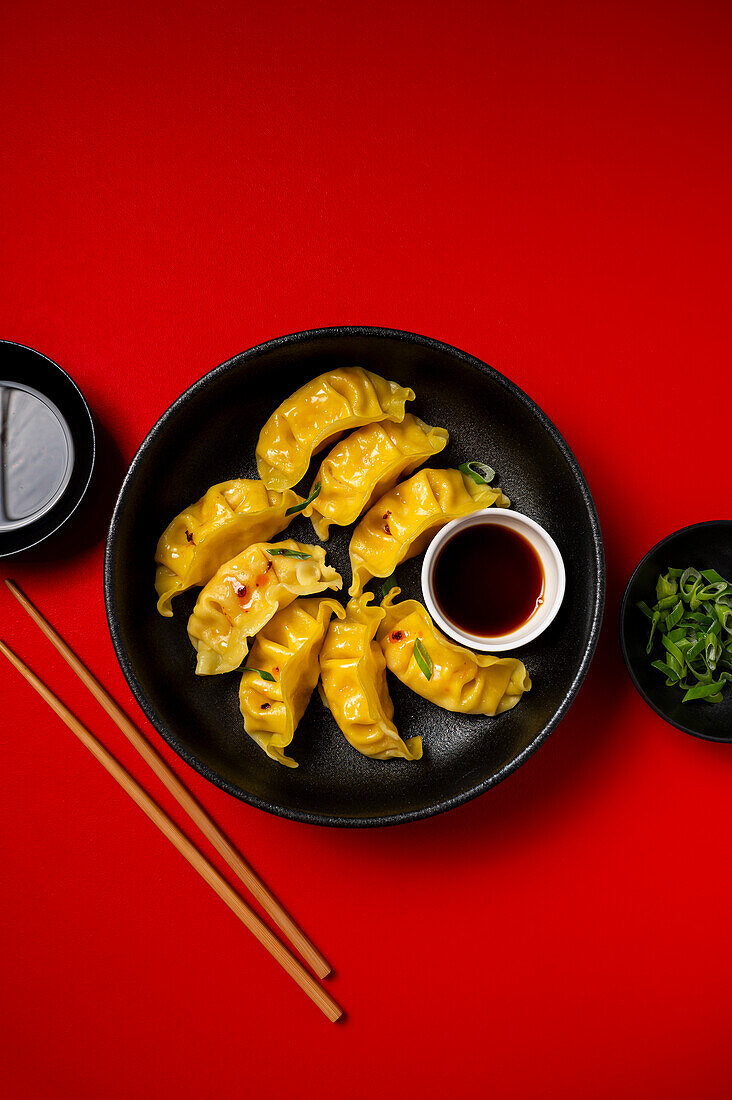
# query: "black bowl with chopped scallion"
676, 629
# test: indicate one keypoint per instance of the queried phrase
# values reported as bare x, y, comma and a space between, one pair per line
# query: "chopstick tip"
16, 589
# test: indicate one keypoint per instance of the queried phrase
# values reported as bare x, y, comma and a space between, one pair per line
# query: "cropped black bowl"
19, 363
704, 546
209, 435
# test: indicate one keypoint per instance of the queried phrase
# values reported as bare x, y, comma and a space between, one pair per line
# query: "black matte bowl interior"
28, 367
209, 435
703, 546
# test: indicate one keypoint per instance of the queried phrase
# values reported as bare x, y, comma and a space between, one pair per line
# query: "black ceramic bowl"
705, 546
47, 448
209, 435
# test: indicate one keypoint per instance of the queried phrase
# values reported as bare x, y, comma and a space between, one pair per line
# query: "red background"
548, 187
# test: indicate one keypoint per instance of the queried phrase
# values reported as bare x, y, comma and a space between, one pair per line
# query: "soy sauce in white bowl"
493, 580
494, 550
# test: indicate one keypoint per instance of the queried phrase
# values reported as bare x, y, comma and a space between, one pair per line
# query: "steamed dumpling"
328, 406
459, 679
244, 595
227, 519
287, 648
401, 524
353, 674
366, 464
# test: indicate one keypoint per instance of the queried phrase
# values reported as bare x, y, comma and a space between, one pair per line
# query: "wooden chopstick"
185, 846
180, 792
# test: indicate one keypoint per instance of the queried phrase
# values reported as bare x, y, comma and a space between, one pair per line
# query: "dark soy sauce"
488, 580
36, 455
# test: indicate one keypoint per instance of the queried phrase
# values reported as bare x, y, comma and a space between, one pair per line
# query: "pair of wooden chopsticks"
195, 811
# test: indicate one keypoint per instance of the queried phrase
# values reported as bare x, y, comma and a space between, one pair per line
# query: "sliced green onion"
261, 672
692, 617
712, 575
387, 586
299, 507
668, 672
283, 552
478, 471
666, 602
712, 591
688, 581
654, 624
705, 691
666, 586
712, 652
423, 658
675, 656
675, 616
696, 648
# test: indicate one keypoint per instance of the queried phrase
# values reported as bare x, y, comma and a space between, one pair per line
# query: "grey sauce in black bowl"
36, 455
47, 448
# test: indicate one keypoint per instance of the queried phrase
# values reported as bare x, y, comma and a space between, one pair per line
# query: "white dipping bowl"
554, 580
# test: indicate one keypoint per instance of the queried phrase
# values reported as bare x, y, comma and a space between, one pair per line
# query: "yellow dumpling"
458, 679
366, 464
401, 524
314, 415
227, 519
286, 649
353, 674
246, 592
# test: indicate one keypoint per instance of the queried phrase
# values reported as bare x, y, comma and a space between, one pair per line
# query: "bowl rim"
92, 456
525, 633
599, 580
624, 603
